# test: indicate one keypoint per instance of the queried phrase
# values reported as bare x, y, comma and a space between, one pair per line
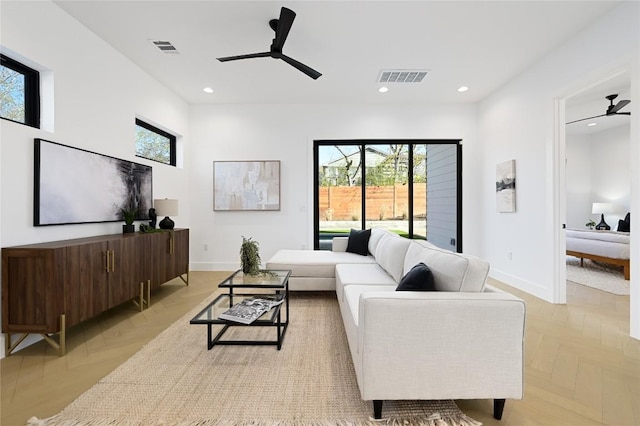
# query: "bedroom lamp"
166, 207
601, 209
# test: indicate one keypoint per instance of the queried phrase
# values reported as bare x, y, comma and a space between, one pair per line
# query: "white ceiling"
480, 44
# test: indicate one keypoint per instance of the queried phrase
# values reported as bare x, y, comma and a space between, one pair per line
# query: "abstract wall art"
506, 186
246, 185
72, 185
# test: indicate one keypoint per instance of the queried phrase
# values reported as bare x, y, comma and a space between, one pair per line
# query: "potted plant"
590, 224
129, 215
250, 256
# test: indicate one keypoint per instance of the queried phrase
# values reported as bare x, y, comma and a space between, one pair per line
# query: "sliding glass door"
411, 188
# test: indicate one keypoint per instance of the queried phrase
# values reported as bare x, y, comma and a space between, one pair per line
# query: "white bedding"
610, 244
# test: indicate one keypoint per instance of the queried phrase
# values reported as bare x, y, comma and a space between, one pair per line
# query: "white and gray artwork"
77, 186
506, 187
246, 185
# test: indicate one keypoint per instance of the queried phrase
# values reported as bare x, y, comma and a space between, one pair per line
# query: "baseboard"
214, 266
517, 282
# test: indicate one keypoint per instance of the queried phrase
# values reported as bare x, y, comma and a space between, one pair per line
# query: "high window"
19, 92
411, 187
155, 144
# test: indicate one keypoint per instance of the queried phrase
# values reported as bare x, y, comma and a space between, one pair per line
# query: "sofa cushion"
361, 274
419, 278
359, 241
376, 236
352, 296
313, 263
451, 271
390, 254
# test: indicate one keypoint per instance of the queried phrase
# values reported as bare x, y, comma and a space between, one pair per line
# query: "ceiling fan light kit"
281, 27
611, 109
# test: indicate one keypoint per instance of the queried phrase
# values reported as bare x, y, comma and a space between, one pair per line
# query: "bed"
610, 247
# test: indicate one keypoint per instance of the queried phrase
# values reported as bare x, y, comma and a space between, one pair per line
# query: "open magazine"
252, 308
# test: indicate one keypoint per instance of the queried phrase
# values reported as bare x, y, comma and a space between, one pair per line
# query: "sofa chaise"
463, 341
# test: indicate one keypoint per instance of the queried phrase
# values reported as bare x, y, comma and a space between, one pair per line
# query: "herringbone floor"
581, 366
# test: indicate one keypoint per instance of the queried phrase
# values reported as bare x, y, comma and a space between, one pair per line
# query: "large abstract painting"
246, 185
506, 186
72, 185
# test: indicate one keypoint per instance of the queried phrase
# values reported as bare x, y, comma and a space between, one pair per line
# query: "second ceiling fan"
611, 110
281, 27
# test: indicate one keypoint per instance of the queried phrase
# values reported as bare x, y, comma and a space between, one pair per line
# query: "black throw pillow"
419, 278
359, 241
625, 225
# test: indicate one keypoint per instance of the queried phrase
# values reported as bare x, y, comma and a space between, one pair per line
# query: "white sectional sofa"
463, 341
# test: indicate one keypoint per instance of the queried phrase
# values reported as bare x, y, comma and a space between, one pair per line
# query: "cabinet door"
170, 256
161, 246
117, 274
86, 279
180, 253
32, 290
135, 264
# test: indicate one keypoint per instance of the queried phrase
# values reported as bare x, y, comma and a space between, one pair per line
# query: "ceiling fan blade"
247, 56
585, 119
618, 106
282, 30
302, 67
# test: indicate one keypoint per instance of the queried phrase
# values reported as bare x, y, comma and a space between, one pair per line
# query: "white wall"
578, 182
286, 133
98, 94
598, 170
518, 122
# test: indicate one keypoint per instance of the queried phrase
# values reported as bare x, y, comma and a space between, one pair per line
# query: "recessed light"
592, 124
383, 89
208, 90
463, 89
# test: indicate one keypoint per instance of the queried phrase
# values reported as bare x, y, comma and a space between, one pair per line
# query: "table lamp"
166, 207
601, 209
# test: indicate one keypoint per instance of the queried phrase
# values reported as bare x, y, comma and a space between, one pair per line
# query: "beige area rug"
609, 278
175, 380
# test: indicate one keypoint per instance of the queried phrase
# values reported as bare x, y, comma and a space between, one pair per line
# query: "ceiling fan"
611, 110
281, 27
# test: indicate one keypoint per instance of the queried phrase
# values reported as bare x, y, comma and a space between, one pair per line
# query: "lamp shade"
166, 207
603, 208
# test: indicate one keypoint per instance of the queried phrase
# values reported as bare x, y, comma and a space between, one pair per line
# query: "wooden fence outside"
383, 202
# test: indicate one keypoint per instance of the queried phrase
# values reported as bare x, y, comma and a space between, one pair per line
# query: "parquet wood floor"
582, 368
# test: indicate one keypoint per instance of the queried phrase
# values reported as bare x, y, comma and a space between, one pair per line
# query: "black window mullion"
363, 186
410, 183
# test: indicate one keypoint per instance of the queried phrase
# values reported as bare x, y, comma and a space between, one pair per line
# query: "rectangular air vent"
165, 47
401, 76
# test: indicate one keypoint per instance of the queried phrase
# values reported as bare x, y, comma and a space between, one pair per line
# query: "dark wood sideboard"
49, 287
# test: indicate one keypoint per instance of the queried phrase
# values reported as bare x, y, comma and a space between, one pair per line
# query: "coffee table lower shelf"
209, 317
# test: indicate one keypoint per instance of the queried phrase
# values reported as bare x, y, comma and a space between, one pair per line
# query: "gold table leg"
60, 346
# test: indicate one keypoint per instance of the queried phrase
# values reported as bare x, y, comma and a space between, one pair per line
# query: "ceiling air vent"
165, 47
401, 76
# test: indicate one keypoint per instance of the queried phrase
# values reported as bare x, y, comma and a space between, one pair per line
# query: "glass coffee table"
270, 283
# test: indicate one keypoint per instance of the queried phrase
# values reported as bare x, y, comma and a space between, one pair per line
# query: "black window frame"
363, 143
160, 132
31, 91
